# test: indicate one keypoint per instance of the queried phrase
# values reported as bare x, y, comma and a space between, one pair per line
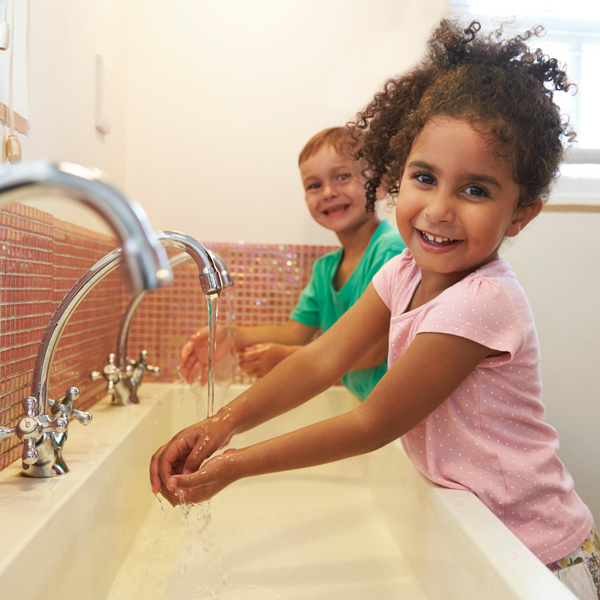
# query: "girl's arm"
291, 333
374, 357
427, 373
300, 377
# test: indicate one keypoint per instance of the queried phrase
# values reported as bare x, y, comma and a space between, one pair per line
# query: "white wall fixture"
103, 94
14, 27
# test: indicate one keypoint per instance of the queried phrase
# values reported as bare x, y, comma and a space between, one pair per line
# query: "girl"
470, 142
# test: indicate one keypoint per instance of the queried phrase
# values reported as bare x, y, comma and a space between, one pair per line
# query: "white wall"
224, 95
557, 262
65, 36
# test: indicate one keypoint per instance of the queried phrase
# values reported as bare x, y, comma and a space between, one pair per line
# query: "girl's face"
457, 201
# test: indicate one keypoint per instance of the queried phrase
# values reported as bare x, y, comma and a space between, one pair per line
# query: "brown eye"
425, 178
476, 190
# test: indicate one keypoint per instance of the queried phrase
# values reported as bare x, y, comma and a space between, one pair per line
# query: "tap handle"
143, 362
30, 429
66, 409
139, 368
27, 430
110, 372
85, 418
30, 406
30, 454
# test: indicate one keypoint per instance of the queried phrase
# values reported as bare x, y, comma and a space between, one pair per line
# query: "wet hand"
259, 359
185, 453
194, 356
194, 353
215, 475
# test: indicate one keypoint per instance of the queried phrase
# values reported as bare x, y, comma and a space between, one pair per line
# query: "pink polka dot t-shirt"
489, 436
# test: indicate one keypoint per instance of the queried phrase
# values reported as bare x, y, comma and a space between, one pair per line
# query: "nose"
330, 190
439, 208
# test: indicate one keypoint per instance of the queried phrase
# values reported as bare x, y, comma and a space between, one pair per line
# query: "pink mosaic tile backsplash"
42, 257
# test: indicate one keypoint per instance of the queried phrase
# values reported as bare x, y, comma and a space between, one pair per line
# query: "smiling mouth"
437, 240
333, 210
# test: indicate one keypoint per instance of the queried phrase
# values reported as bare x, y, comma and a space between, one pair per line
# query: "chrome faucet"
44, 427
124, 375
141, 366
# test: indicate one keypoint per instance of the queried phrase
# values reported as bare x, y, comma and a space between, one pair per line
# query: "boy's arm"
292, 333
194, 353
274, 345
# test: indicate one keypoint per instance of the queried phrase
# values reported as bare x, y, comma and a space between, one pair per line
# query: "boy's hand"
194, 353
259, 359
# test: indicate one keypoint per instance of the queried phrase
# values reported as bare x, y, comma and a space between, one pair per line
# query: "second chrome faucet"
124, 375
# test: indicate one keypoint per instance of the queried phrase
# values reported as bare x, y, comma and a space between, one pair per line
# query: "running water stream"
198, 571
216, 578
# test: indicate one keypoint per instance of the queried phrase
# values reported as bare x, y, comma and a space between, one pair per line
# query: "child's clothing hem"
579, 535
580, 570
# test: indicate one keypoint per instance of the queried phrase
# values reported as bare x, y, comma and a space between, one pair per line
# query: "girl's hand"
259, 359
214, 475
185, 453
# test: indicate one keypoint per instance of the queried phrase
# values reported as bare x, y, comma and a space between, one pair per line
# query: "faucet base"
46, 470
49, 463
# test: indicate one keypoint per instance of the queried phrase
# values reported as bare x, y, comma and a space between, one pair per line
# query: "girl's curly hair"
500, 87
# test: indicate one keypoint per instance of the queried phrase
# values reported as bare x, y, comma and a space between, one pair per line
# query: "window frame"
575, 33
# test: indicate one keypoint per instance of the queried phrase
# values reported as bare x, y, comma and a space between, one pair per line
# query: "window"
573, 37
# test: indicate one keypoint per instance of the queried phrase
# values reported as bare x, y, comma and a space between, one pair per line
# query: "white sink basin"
369, 527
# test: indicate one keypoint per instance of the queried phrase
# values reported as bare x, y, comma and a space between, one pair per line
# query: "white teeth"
439, 240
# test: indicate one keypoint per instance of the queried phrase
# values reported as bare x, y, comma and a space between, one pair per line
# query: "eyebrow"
336, 168
479, 177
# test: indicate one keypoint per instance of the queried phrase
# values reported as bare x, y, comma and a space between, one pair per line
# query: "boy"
335, 196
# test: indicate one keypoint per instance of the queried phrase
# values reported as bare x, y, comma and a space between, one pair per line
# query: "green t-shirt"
321, 305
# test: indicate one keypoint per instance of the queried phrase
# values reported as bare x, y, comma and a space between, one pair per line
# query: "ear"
523, 216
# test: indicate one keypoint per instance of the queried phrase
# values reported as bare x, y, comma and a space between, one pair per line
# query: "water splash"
212, 547
200, 550
162, 504
181, 382
185, 512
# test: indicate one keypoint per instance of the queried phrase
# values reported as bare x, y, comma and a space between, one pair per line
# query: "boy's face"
334, 191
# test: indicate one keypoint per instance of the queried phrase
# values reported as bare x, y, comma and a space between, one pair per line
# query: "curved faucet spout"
44, 426
210, 278
145, 259
59, 320
137, 300
210, 274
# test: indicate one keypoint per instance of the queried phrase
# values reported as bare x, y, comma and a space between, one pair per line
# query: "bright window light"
573, 37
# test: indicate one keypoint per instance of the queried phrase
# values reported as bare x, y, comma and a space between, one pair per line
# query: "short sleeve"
382, 282
307, 308
396, 280
479, 309
387, 246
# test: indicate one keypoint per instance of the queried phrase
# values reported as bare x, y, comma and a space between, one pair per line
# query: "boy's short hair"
335, 137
